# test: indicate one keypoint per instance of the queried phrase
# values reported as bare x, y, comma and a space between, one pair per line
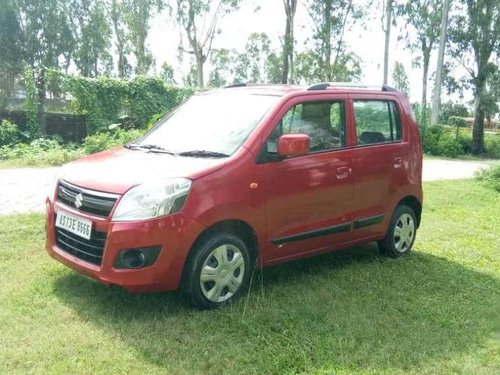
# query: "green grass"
435, 311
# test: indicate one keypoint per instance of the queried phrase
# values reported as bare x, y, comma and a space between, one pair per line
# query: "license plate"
76, 225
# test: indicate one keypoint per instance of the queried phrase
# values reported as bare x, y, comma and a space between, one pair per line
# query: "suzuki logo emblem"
79, 200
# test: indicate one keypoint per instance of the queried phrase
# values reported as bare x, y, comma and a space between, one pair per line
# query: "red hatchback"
242, 176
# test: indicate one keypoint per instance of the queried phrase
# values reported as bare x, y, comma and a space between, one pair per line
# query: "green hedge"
131, 103
443, 141
8, 133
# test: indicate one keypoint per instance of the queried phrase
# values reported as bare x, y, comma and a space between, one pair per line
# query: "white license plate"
76, 225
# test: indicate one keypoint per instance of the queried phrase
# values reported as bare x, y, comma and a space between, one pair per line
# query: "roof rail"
325, 85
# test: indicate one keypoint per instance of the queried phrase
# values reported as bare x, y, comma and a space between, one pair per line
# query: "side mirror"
293, 145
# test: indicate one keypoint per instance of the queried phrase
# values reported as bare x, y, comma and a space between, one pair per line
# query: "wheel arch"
236, 227
412, 202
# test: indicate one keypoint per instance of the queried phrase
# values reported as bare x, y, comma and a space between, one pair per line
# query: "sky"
269, 17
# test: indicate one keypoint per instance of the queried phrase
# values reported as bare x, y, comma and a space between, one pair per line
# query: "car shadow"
352, 309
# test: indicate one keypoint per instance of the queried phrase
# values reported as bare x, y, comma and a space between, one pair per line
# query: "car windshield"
209, 125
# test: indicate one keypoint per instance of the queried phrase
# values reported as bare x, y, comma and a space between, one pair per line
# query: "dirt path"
438, 169
24, 189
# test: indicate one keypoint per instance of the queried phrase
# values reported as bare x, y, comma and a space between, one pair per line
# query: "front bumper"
175, 234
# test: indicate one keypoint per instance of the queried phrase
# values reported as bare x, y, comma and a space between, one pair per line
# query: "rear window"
377, 121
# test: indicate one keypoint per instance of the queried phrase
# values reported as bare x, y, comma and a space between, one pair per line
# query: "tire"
401, 233
217, 270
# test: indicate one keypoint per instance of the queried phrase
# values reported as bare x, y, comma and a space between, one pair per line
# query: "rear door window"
377, 121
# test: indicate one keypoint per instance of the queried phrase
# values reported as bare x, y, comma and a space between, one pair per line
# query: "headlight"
50, 188
151, 200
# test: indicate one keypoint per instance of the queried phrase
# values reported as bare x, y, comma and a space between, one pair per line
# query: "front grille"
92, 202
90, 251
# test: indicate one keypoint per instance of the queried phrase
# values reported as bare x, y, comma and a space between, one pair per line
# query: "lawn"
436, 310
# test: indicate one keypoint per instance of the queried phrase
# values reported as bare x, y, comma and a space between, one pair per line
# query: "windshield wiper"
149, 148
203, 154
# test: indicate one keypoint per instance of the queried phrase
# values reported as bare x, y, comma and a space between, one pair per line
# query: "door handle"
397, 162
343, 172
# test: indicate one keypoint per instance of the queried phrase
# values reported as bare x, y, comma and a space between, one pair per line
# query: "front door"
309, 197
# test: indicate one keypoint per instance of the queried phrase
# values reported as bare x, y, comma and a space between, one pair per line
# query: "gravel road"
24, 189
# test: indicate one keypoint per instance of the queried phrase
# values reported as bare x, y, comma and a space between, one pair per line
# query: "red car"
243, 176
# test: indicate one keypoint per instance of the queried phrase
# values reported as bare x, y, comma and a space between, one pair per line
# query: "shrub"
8, 133
490, 177
449, 147
154, 119
40, 152
451, 109
492, 145
457, 121
430, 139
102, 141
440, 141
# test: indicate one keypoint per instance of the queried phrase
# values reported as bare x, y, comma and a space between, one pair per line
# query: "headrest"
316, 110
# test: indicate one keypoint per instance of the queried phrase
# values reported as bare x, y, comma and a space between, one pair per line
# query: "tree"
288, 42
308, 69
400, 79
274, 67
92, 37
436, 97
475, 32
251, 65
424, 16
450, 109
221, 61
116, 10
47, 42
198, 21
387, 17
11, 53
137, 16
167, 73
191, 78
492, 100
331, 18
257, 49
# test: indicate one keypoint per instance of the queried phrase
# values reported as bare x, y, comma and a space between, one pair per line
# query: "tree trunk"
292, 40
479, 115
141, 57
40, 88
436, 97
425, 74
423, 112
286, 52
287, 73
388, 16
327, 39
199, 69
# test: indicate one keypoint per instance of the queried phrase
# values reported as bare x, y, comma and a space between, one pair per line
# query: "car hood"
118, 169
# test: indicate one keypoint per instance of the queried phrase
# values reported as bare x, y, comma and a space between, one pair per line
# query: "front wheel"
217, 271
401, 233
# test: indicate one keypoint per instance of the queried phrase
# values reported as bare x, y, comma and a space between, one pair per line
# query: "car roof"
281, 89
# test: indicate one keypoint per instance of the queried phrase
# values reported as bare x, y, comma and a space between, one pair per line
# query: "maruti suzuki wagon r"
242, 176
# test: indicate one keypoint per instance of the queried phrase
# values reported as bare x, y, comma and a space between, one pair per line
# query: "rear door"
380, 162
309, 197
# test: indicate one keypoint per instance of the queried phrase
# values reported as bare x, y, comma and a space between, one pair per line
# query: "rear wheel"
217, 270
401, 233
